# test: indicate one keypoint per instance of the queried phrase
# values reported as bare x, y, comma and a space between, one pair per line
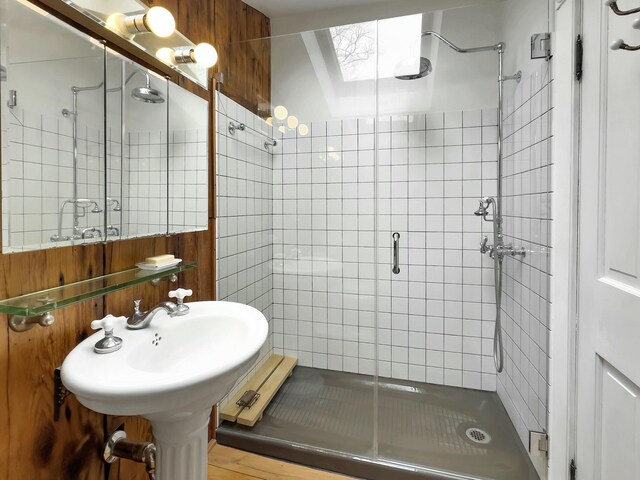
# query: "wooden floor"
229, 464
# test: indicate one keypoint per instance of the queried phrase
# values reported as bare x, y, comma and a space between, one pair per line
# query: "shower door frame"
566, 25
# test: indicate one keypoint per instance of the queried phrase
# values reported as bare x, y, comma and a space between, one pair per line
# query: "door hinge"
538, 444
572, 469
541, 46
579, 57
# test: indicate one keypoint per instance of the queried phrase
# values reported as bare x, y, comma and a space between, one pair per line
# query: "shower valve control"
484, 248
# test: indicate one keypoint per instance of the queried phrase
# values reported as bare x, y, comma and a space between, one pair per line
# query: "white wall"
519, 19
315, 20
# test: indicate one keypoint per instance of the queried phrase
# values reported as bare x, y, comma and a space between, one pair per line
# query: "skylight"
355, 47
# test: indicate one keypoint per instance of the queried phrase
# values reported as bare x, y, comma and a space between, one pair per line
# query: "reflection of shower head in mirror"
147, 95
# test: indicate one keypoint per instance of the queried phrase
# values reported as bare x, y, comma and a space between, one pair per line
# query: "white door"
608, 416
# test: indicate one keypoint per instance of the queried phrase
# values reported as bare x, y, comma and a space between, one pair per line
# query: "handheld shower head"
482, 210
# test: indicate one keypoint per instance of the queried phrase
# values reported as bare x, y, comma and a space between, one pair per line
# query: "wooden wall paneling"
266, 62
240, 50
213, 128
171, 5
196, 18
223, 30
40, 447
4, 398
254, 57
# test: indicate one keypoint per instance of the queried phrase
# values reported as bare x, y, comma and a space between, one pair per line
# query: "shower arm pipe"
489, 48
114, 89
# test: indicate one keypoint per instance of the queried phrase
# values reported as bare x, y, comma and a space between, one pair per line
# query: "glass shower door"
427, 333
437, 149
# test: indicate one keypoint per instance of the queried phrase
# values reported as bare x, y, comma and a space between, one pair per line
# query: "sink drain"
478, 436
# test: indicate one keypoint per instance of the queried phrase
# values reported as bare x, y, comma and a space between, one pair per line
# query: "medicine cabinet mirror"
95, 147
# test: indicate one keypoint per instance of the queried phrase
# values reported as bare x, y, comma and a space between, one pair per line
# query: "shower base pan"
325, 419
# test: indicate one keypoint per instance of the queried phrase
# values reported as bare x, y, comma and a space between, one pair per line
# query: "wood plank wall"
32, 444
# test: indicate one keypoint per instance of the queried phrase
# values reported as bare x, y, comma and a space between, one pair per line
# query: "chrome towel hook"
613, 5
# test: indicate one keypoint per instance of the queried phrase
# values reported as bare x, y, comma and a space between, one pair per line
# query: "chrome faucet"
91, 232
140, 319
113, 231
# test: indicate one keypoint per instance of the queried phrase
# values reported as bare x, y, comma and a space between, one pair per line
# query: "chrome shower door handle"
396, 255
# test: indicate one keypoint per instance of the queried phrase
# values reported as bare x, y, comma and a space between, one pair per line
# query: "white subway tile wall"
436, 317
523, 385
244, 215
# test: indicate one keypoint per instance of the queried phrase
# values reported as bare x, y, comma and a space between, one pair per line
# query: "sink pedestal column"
182, 441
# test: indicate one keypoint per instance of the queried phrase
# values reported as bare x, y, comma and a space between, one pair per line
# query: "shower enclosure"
420, 328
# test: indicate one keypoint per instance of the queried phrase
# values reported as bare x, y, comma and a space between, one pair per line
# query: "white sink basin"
171, 373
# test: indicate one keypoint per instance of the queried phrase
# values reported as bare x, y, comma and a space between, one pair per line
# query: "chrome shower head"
421, 66
115, 202
147, 94
483, 209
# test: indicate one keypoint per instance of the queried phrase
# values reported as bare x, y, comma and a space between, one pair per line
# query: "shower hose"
498, 348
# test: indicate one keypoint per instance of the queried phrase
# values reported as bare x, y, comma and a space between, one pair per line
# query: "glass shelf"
39, 303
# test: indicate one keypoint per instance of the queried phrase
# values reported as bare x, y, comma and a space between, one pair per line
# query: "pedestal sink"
171, 373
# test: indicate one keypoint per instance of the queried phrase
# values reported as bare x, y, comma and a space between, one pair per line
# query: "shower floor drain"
478, 436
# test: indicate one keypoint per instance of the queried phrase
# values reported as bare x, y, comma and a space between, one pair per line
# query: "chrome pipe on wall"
498, 250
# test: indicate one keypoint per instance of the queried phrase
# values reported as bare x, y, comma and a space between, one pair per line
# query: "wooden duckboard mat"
266, 381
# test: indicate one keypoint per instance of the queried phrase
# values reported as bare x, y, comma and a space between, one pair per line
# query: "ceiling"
281, 8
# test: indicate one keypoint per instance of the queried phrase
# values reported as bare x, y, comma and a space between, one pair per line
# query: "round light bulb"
282, 129
205, 55
166, 55
292, 121
269, 121
115, 22
303, 129
160, 21
280, 112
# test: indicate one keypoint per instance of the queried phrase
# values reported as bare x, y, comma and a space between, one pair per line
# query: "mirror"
52, 131
188, 161
62, 183
137, 126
